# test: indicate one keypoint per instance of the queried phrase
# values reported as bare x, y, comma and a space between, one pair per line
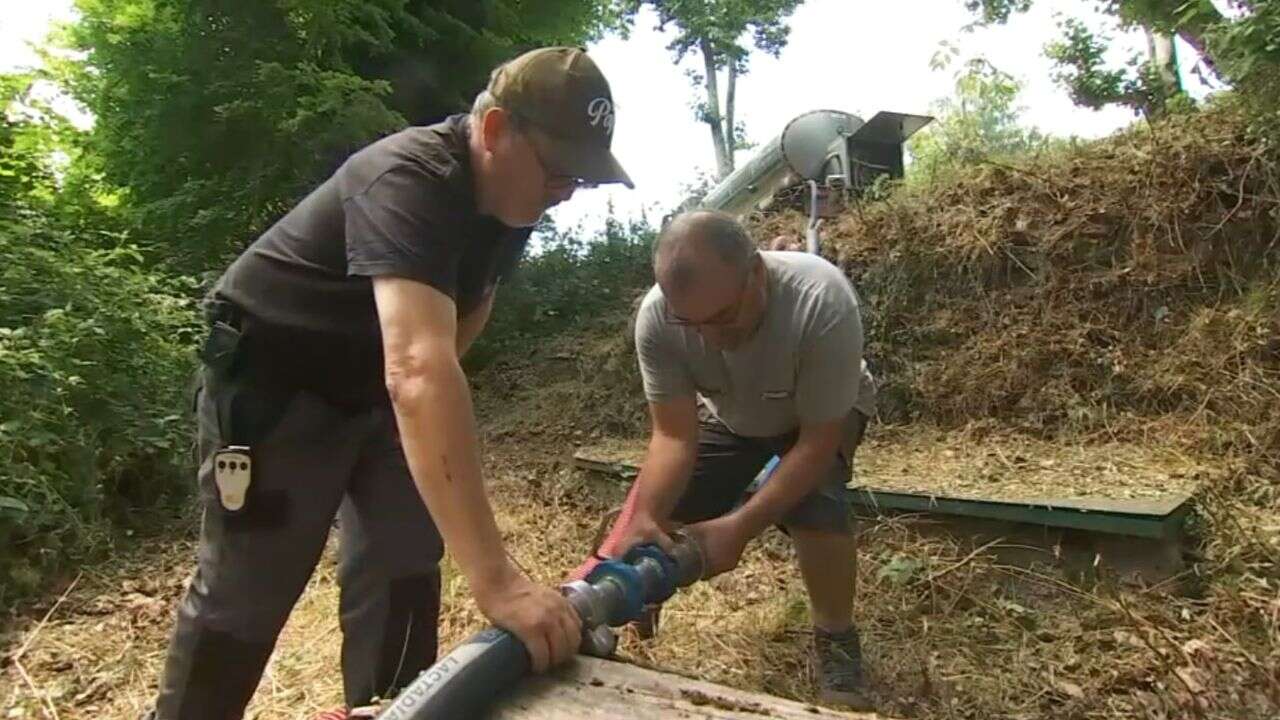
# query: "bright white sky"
860, 57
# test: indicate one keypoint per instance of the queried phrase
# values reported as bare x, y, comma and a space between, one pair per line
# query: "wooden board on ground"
613, 456
1113, 488
1009, 467
594, 689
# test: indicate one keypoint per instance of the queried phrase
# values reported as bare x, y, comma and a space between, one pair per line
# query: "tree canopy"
982, 119
1243, 49
217, 115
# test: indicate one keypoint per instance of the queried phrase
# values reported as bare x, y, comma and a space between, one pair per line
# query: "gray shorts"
728, 463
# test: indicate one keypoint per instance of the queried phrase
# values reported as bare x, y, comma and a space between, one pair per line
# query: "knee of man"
247, 614
823, 532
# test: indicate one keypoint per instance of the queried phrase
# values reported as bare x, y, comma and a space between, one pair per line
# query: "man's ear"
493, 125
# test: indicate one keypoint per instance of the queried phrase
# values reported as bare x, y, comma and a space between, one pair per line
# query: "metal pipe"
755, 180
811, 230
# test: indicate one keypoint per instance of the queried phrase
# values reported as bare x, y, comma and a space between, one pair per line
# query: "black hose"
466, 681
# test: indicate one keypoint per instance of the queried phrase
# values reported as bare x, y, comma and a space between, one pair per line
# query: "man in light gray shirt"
748, 355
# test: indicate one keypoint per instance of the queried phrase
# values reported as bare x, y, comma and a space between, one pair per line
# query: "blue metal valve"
627, 578
665, 581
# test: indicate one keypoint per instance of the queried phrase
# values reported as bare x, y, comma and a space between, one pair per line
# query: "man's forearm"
437, 430
798, 474
663, 476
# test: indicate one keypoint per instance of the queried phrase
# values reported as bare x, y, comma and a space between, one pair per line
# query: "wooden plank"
594, 689
1155, 507
625, 471
1150, 519
1158, 518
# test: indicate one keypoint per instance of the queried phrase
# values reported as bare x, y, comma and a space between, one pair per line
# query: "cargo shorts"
728, 465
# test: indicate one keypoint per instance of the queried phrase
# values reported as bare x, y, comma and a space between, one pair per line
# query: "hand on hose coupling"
641, 530
543, 620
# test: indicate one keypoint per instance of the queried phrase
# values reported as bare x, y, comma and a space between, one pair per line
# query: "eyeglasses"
556, 182
726, 316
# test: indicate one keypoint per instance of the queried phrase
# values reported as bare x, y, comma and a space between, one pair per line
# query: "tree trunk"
712, 112
1191, 20
730, 132
1163, 58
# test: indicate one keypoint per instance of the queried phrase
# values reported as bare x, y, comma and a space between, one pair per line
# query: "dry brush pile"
1121, 291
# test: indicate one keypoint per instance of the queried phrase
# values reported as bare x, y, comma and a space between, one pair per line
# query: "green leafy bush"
567, 279
95, 356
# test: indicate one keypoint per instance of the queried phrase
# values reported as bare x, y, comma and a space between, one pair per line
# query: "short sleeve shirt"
404, 206
803, 365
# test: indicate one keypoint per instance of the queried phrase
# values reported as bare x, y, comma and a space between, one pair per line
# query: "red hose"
609, 547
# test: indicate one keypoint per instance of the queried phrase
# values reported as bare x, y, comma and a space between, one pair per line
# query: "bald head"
699, 244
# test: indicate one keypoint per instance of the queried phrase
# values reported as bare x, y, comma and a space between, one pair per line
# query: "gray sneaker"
841, 680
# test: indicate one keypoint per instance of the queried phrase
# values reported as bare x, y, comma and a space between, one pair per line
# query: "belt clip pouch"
233, 474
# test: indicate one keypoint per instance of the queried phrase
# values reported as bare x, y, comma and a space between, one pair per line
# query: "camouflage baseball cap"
565, 97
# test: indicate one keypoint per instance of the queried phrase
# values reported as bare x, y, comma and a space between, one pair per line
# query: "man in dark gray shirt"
332, 385
748, 355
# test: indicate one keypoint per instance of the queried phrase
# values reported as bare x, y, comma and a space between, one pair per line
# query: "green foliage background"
566, 280
94, 359
210, 119
981, 121
216, 116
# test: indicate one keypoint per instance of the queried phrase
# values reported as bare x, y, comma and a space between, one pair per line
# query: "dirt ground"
950, 630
